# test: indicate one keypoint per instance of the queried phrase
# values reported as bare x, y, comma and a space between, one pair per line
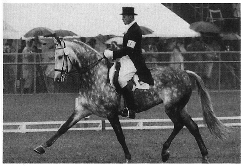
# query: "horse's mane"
83, 52
82, 49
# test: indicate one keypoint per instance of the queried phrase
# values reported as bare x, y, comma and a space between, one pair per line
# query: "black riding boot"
129, 111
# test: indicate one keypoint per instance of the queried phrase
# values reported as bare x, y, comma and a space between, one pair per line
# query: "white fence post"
140, 125
22, 128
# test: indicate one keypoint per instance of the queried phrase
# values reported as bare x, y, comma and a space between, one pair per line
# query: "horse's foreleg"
114, 121
72, 120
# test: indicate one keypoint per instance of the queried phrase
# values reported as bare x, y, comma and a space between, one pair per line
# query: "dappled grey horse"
172, 87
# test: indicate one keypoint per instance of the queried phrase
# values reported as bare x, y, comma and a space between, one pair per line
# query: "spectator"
176, 57
151, 47
28, 70
9, 71
8, 47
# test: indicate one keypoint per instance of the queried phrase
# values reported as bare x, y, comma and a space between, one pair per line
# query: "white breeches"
127, 71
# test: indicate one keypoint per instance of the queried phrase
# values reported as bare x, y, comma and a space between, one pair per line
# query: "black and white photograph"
121, 82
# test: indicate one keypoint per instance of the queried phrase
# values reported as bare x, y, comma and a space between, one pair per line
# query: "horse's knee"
71, 121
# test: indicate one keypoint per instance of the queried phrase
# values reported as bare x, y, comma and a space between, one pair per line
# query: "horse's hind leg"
180, 120
72, 120
194, 130
114, 121
178, 125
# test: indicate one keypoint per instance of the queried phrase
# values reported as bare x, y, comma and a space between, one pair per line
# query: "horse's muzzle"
60, 78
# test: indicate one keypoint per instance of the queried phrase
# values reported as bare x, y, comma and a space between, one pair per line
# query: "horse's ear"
57, 41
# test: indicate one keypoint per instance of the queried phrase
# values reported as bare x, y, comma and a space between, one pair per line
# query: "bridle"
65, 70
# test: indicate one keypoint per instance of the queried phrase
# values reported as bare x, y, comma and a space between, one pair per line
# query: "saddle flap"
114, 75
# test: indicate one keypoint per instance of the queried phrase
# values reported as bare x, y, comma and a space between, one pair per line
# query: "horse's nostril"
57, 80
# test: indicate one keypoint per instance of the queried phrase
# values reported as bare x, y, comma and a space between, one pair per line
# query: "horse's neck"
94, 70
94, 79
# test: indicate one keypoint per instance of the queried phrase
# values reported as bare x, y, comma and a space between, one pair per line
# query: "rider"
130, 59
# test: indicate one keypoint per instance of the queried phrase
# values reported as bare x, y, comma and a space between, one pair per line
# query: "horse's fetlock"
128, 156
204, 153
48, 144
166, 146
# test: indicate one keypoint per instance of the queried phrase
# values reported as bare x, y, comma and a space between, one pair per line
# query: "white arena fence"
100, 125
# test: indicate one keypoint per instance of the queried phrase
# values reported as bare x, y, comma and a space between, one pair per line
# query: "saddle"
145, 96
113, 75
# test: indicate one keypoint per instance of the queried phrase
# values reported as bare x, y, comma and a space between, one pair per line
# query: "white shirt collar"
129, 25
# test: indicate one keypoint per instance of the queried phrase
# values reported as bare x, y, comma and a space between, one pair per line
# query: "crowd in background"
36, 50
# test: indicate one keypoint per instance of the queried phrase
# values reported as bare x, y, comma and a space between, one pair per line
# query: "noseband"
65, 71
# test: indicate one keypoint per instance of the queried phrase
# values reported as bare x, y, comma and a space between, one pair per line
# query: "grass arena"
102, 146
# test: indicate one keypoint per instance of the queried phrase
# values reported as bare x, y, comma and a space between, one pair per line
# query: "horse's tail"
215, 126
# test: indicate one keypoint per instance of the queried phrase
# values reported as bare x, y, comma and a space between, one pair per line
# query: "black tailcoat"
134, 34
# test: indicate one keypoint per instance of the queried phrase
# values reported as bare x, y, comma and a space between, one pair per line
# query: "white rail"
135, 124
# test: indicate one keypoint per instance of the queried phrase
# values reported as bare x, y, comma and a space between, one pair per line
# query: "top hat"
128, 11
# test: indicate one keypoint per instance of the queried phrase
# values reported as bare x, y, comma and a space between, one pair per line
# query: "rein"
90, 66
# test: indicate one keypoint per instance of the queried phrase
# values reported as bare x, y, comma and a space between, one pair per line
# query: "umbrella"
63, 33
205, 27
145, 30
118, 40
230, 36
39, 31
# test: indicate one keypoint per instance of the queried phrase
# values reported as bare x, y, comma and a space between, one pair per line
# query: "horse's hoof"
39, 149
127, 158
165, 156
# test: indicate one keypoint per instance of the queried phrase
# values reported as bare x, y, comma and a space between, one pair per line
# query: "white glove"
108, 54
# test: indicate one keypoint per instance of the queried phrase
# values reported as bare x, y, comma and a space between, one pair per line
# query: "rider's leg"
130, 102
127, 71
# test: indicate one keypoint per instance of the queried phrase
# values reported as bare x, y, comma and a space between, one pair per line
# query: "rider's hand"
108, 54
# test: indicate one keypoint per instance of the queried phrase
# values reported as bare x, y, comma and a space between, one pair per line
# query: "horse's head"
65, 60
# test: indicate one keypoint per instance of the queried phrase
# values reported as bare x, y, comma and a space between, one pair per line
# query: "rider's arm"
132, 40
